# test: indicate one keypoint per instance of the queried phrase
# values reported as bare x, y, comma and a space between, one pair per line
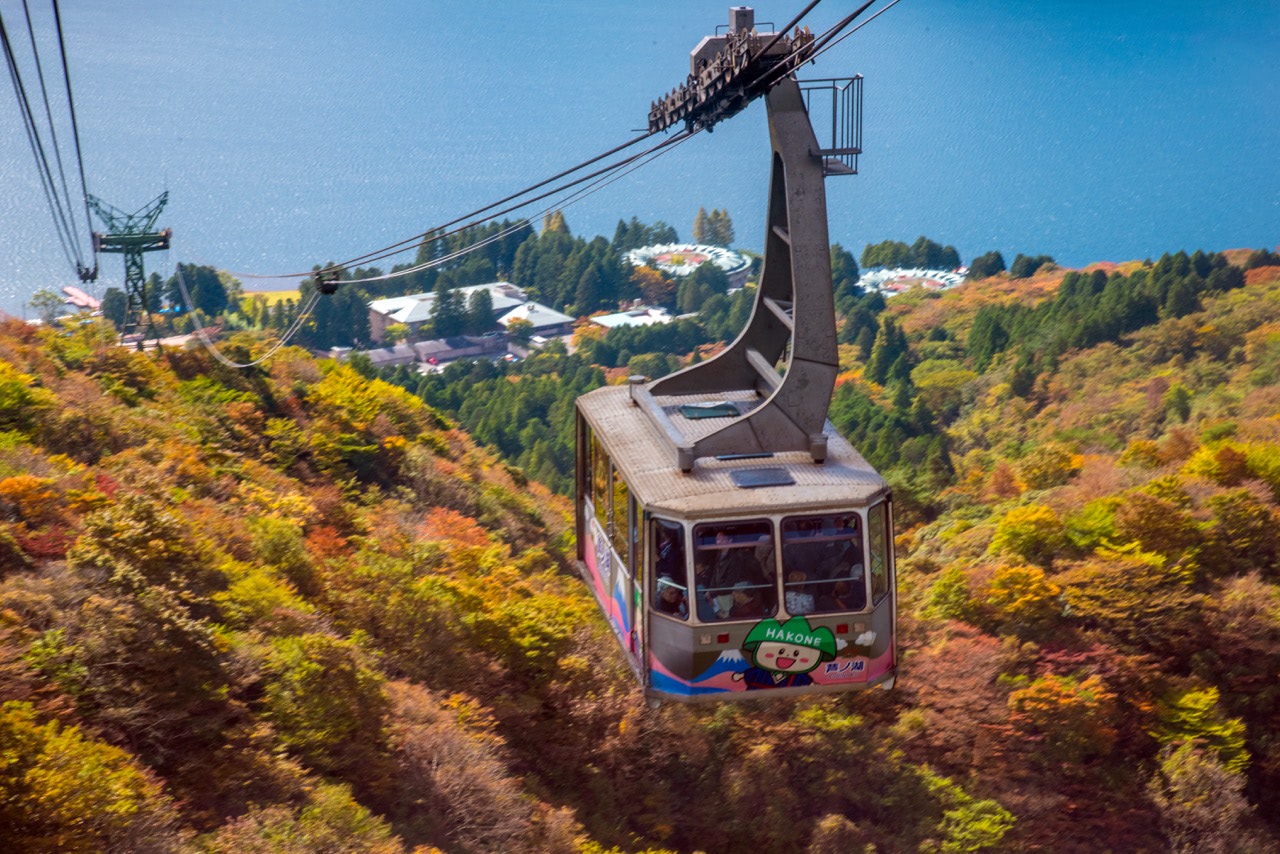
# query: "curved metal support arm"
787, 353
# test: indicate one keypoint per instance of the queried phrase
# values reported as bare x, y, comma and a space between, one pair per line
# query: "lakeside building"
638, 316
681, 259
895, 280
546, 322
437, 352
642, 316
414, 310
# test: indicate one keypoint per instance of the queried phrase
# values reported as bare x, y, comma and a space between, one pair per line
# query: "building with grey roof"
545, 321
414, 310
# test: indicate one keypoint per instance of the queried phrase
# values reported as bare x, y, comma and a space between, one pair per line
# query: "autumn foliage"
296, 608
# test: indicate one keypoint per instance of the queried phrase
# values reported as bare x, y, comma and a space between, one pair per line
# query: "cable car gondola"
734, 540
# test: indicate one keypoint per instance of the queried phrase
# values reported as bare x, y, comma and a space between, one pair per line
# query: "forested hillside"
296, 608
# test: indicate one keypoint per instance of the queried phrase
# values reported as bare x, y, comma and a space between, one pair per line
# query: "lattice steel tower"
131, 235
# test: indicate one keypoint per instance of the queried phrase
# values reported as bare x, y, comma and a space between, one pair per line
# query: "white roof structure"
537, 314
418, 308
635, 317
681, 259
896, 280
414, 308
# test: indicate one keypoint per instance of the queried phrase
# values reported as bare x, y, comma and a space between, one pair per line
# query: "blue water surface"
289, 133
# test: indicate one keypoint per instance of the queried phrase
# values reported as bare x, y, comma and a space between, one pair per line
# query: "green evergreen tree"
1183, 297
702, 227
889, 347
155, 291
988, 336
448, 315
721, 228
1262, 258
208, 293
986, 265
865, 342
887, 253
480, 312
590, 294
1025, 266
114, 306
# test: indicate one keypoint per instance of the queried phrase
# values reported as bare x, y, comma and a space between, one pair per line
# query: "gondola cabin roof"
720, 486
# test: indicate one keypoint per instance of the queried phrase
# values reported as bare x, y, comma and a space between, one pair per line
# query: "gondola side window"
600, 482
637, 542
670, 593
735, 573
620, 532
878, 540
822, 564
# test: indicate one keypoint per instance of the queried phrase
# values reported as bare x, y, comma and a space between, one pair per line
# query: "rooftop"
634, 317
537, 314
418, 308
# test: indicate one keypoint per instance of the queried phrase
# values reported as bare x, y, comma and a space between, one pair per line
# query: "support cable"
37, 148
53, 132
817, 47
434, 234
409, 242
786, 29
574, 198
75, 133
657, 149
827, 46
303, 315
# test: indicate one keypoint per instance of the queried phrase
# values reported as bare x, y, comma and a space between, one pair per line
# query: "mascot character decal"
781, 656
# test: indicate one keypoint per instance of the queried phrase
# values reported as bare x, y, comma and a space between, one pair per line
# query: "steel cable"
53, 132
433, 235
574, 198
48, 185
212, 346
75, 134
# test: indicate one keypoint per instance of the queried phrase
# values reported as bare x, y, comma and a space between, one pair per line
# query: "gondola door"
635, 560
619, 580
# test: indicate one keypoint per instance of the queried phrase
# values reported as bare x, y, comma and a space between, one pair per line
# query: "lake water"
289, 133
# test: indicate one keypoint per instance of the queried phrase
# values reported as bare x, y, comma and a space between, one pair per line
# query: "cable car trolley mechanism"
734, 540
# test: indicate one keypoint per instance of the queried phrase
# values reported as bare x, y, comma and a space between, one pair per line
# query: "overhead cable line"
819, 45
53, 128
85, 274
305, 313
794, 22
56, 189
435, 236
584, 164
443, 231
830, 44
652, 154
212, 347
409, 242
48, 185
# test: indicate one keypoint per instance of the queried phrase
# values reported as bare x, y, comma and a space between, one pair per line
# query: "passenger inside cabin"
845, 596
731, 557
669, 558
706, 605
671, 599
746, 602
827, 551
735, 563
798, 598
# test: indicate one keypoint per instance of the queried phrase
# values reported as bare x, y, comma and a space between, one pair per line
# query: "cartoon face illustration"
786, 657
782, 655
